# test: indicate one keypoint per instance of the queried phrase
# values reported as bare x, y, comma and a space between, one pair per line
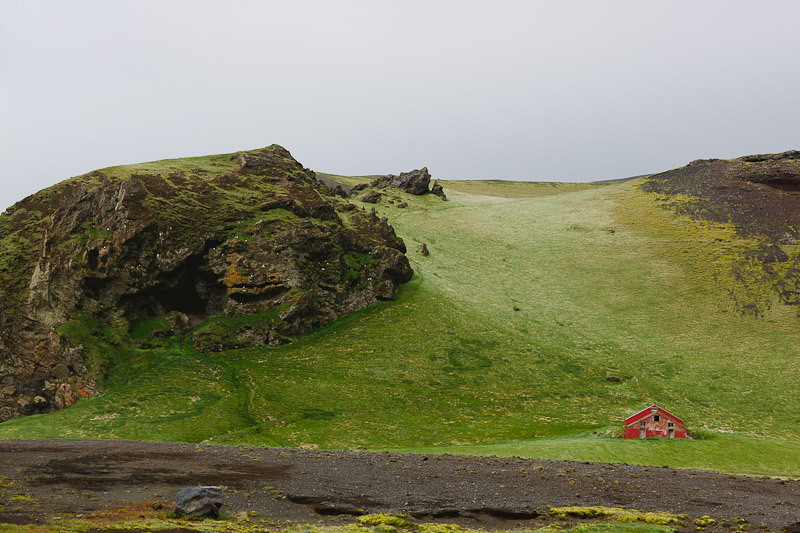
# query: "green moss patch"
622, 515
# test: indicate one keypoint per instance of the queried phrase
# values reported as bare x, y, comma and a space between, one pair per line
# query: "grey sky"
560, 90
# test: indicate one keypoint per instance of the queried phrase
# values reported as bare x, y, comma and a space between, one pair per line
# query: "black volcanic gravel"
335, 486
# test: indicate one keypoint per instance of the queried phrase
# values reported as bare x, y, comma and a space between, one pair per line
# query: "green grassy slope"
515, 189
608, 285
347, 182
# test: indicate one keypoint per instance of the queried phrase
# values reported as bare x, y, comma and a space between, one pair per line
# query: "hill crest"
759, 197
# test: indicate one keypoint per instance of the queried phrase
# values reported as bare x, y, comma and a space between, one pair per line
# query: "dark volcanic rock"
414, 182
438, 190
250, 233
358, 187
336, 191
197, 502
372, 197
756, 193
788, 155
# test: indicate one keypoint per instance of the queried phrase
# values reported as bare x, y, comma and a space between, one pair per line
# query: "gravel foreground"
316, 486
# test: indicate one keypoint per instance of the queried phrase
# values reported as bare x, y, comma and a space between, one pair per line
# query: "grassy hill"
543, 316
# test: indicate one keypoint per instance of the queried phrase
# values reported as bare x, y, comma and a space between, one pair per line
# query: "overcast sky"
559, 90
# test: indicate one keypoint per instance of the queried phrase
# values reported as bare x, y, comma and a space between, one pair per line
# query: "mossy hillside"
608, 274
177, 172
608, 285
157, 377
241, 234
717, 256
209, 166
756, 198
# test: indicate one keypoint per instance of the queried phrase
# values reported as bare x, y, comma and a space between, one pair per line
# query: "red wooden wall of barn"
653, 428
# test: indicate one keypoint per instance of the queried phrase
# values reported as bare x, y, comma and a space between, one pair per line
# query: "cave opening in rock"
191, 289
93, 259
182, 298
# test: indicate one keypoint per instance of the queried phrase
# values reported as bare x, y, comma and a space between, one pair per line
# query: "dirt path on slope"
310, 486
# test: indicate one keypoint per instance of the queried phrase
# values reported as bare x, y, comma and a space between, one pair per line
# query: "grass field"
607, 285
739, 454
347, 182
515, 189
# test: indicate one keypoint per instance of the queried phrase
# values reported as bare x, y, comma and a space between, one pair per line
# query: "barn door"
671, 433
642, 433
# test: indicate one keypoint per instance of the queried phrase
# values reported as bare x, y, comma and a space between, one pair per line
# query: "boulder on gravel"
196, 502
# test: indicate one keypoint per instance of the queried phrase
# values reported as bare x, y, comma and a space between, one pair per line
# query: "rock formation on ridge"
414, 182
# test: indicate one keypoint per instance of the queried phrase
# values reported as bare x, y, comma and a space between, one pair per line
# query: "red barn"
654, 422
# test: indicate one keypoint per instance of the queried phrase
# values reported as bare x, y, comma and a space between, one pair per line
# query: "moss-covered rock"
248, 234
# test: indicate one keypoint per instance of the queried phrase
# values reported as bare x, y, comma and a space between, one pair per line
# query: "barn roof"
647, 410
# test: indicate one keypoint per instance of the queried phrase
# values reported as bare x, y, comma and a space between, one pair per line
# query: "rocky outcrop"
780, 171
789, 155
414, 182
336, 190
438, 190
250, 234
372, 197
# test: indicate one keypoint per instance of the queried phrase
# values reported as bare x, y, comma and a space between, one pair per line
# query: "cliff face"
251, 233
